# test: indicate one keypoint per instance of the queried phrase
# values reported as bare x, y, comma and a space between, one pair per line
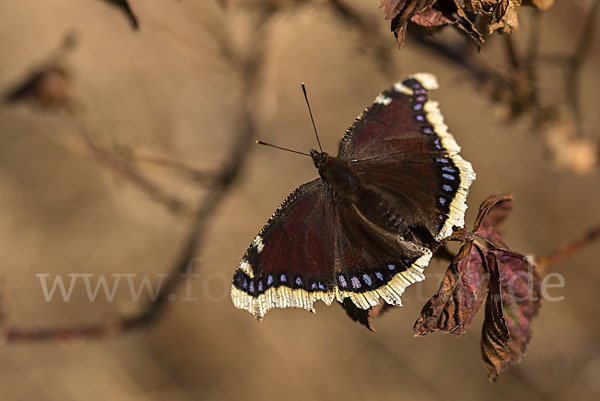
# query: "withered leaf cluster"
485, 272
476, 18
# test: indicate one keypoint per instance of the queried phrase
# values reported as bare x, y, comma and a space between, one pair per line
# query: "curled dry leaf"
125, 6
474, 17
50, 84
401, 11
485, 269
49, 87
363, 316
492, 15
495, 337
462, 291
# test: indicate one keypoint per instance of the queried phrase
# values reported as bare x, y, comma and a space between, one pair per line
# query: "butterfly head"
319, 158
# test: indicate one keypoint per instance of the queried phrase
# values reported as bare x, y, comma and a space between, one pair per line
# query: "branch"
129, 172
250, 71
568, 249
575, 62
197, 176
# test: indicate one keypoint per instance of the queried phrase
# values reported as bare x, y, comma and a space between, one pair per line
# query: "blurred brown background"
168, 91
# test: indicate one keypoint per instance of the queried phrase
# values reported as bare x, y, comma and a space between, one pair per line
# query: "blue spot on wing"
449, 169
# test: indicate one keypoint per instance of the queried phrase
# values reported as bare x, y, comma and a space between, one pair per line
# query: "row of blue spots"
419, 99
367, 280
450, 177
258, 286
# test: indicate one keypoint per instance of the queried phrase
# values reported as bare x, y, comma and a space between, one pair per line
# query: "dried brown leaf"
485, 269
363, 316
125, 6
495, 335
49, 87
400, 12
431, 17
461, 294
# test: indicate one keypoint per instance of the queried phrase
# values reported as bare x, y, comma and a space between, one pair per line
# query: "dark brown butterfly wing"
290, 262
314, 248
401, 146
371, 263
402, 121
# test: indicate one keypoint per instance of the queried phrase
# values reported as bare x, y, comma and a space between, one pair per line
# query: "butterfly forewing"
289, 263
399, 123
402, 145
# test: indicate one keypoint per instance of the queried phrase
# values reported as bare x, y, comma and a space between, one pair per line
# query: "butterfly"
366, 228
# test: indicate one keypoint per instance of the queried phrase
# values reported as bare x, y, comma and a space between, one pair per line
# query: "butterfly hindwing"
316, 249
372, 263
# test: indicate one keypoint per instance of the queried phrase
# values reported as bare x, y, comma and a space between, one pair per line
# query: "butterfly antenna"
311, 116
281, 148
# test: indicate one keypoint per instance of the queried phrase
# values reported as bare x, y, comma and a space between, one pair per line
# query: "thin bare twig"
569, 248
129, 171
197, 176
575, 62
251, 75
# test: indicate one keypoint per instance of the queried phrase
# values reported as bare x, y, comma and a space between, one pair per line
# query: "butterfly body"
345, 184
366, 228
338, 174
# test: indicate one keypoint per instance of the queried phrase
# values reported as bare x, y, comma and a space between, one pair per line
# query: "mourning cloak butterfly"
366, 229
